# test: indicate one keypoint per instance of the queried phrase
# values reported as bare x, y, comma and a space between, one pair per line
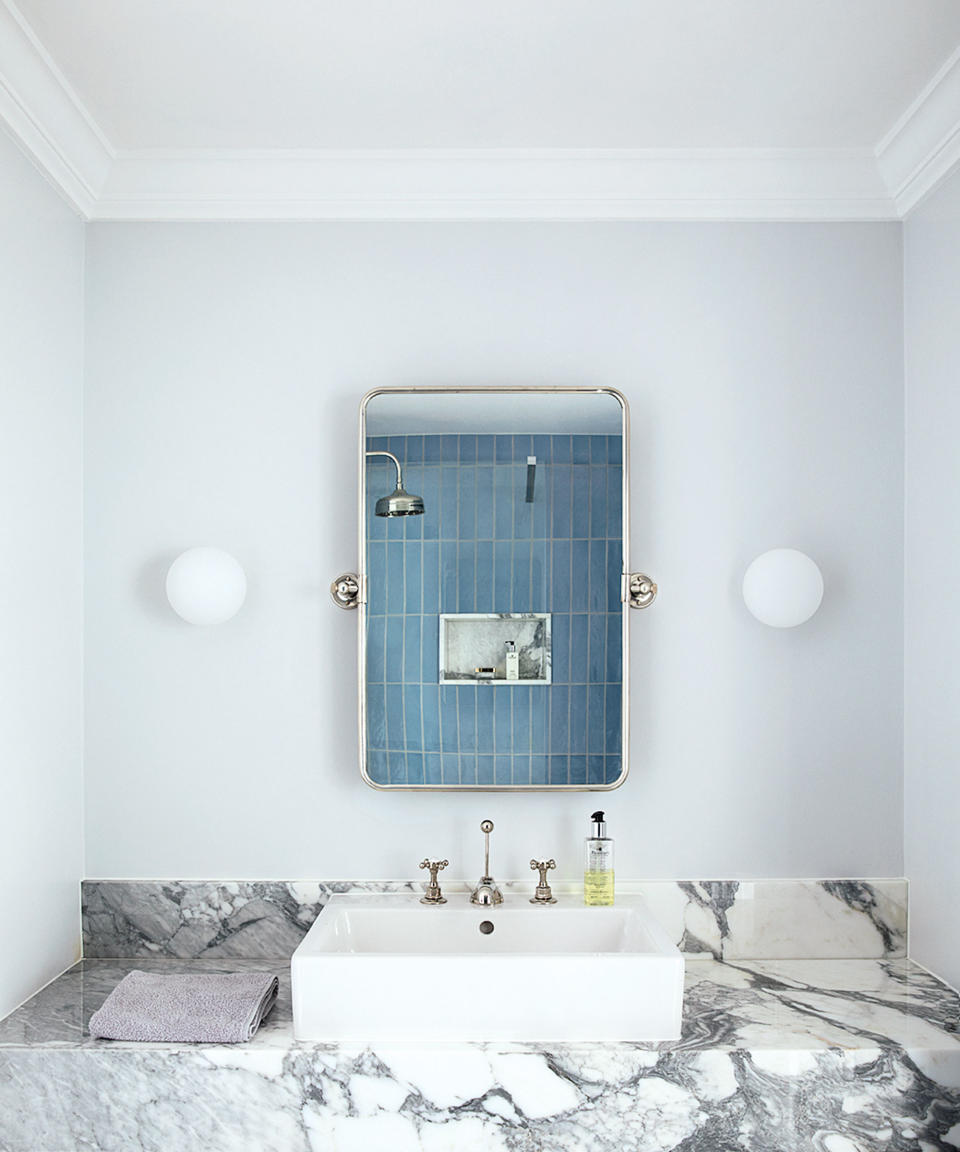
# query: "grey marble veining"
775, 1056
724, 919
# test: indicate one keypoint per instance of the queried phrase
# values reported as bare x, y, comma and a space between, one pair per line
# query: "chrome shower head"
399, 502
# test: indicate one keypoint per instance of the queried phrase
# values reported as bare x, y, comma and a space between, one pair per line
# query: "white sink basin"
387, 967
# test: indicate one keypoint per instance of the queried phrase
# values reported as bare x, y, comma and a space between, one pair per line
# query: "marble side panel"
720, 919
775, 1056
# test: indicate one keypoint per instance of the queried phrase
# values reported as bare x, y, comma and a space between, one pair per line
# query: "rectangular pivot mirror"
493, 631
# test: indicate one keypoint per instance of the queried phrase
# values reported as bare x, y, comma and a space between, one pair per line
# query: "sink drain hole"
486, 927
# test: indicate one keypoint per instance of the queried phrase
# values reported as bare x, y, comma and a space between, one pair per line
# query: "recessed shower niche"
493, 588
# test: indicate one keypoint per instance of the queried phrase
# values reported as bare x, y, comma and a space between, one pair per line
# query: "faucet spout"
486, 893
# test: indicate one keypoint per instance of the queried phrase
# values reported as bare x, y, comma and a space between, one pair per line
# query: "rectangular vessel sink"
387, 967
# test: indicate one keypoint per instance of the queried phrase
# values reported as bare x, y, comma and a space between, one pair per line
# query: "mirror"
493, 634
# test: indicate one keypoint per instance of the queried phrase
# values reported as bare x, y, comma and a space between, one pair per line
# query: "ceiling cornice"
51, 123
923, 147
47, 118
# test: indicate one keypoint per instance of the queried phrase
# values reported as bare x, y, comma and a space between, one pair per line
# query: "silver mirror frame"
545, 390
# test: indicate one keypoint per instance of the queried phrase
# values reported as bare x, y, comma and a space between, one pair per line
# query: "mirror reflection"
493, 621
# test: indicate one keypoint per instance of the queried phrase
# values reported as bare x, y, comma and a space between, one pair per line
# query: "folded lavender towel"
207, 1008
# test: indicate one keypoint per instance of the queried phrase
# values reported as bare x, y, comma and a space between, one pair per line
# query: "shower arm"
380, 452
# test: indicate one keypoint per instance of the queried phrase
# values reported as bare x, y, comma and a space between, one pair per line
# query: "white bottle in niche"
512, 661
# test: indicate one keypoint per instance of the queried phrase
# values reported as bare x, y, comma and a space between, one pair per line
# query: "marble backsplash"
719, 919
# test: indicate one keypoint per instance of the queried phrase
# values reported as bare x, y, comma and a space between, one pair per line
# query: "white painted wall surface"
763, 364
41, 348
932, 574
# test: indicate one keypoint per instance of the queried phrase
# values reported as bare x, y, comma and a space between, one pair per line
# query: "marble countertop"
786, 1006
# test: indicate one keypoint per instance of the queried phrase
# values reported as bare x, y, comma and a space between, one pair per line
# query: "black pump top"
599, 826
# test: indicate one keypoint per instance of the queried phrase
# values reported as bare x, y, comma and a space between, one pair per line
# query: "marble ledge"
833, 1056
718, 919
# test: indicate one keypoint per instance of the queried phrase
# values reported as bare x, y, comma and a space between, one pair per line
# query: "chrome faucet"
486, 891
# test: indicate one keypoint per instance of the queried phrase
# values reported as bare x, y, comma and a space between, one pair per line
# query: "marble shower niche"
473, 647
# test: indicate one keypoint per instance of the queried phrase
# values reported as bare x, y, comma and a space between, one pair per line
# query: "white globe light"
783, 588
206, 586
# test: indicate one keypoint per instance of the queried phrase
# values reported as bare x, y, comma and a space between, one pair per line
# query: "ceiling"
557, 109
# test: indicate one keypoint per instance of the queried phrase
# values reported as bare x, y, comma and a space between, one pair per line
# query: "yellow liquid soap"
598, 888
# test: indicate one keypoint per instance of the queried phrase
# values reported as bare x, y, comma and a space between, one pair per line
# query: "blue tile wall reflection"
480, 547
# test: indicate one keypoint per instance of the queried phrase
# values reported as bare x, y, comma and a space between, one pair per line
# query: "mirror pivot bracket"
641, 590
345, 590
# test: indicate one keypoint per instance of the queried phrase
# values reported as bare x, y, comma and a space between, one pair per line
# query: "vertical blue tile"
541, 449
468, 767
502, 718
578, 769
395, 593
580, 575
580, 510
450, 766
468, 449
449, 497
432, 770
376, 635
614, 648
394, 707
415, 768
596, 726
615, 449
466, 576
578, 718
429, 649
595, 770
613, 717
378, 766
614, 572
560, 494
502, 576
449, 449
539, 575
467, 529
412, 582
467, 706
539, 769
448, 576
432, 449
559, 717
393, 650
484, 493
412, 717
376, 716
597, 671
398, 446
559, 769
411, 650
430, 700
521, 718
430, 491
615, 503
377, 578
540, 721
520, 593
377, 444
522, 448
376, 525
598, 576
522, 511
503, 770
541, 519
560, 579
598, 502
503, 489
520, 769
449, 734
580, 449
413, 482
486, 696
484, 576
578, 648
485, 770
503, 449
560, 648
560, 449
612, 767
430, 566
484, 449
598, 449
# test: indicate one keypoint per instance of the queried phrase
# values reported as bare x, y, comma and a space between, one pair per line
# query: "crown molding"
923, 147
496, 184
47, 118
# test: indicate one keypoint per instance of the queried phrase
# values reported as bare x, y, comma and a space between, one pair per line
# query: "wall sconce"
206, 586
783, 588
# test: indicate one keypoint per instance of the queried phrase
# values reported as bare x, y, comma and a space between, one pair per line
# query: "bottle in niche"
512, 661
598, 864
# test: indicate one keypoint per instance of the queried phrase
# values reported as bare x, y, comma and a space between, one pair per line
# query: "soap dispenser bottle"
598, 864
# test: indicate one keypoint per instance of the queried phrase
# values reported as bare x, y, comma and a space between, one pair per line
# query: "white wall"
41, 282
932, 575
763, 364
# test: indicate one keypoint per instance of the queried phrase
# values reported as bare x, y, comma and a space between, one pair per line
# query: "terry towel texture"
202, 1009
